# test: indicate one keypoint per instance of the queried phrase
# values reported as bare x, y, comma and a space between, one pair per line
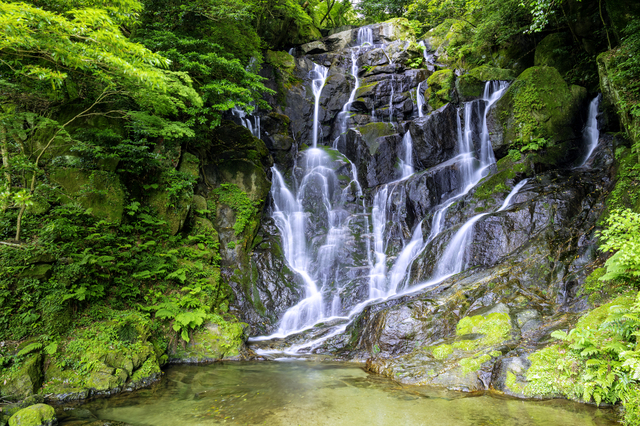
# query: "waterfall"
365, 36
454, 259
316, 85
472, 167
419, 100
245, 120
315, 225
591, 133
407, 161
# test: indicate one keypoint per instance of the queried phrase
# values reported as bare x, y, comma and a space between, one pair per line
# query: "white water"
420, 100
365, 36
386, 279
407, 162
317, 84
246, 121
591, 133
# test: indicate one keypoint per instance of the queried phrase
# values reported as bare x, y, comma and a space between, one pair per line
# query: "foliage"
627, 68
622, 236
597, 360
381, 10
234, 197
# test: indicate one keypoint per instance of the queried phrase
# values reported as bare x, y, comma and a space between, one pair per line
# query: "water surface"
320, 393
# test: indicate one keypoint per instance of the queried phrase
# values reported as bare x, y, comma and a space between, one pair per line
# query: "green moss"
442, 351
512, 383
487, 73
440, 86
280, 59
35, 415
539, 104
372, 131
495, 328
366, 90
470, 365
97, 191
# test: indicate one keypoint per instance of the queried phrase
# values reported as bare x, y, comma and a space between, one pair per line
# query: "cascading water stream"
420, 100
454, 259
386, 279
316, 85
407, 161
245, 120
591, 133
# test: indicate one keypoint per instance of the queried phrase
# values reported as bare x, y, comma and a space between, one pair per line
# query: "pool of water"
316, 393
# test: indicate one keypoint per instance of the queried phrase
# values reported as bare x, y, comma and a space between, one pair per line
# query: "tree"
45, 51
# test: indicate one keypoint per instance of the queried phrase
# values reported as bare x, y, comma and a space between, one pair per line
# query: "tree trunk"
4, 150
19, 222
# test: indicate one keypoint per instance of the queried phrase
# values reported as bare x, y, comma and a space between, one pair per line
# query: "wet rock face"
524, 265
434, 137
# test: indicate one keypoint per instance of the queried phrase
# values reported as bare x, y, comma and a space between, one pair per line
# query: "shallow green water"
320, 393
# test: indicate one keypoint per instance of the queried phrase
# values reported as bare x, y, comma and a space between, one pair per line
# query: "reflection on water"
318, 393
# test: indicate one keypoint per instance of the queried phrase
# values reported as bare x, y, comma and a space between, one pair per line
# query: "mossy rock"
469, 87
554, 51
175, 215
280, 59
35, 415
116, 364
40, 271
215, 341
373, 131
396, 29
440, 86
367, 90
189, 163
98, 191
23, 380
487, 73
539, 104
616, 97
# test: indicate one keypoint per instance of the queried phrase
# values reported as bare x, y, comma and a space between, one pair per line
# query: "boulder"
392, 30
313, 47
374, 150
554, 51
213, 342
538, 104
435, 137
35, 415
98, 191
338, 41
440, 87
23, 381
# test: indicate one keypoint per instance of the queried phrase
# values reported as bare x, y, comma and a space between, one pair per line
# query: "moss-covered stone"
488, 73
280, 59
35, 415
373, 131
215, 341
87, 365
98, 191
615, 96
440, 86
24, 379
539, 104
395, 29
552, 51
41, 271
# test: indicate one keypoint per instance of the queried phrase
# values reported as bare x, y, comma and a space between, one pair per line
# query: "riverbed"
303, 392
